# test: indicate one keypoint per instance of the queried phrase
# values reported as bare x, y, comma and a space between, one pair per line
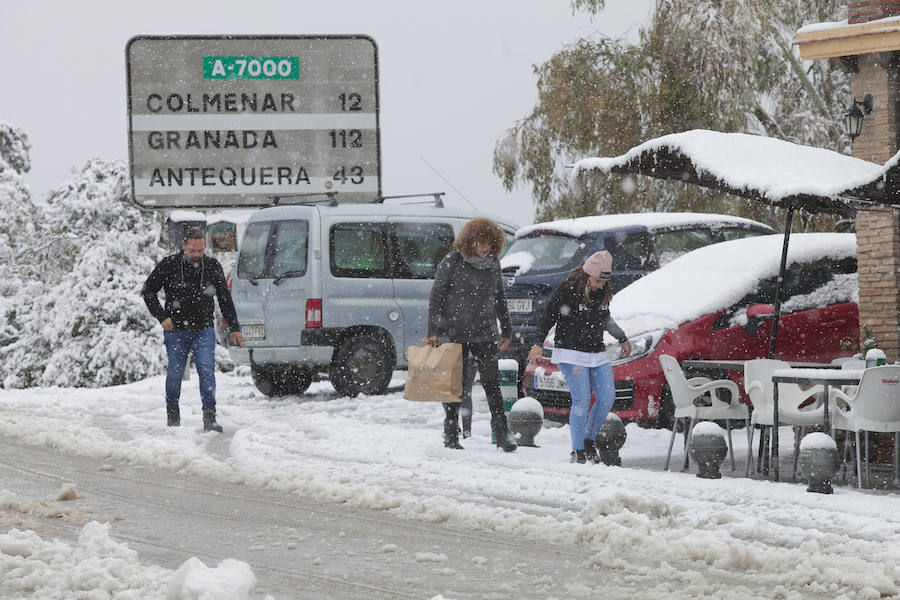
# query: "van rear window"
419, 247
358, 250
550, 252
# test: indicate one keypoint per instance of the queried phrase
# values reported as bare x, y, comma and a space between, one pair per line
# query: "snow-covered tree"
17, 225
88, 326
17, 232
727, 66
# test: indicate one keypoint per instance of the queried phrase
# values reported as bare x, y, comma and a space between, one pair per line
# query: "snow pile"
95, 567
709, 428
527, 405
522, 260
231, 580
817, 441
582, 225
99, 567
714, 277
776, 168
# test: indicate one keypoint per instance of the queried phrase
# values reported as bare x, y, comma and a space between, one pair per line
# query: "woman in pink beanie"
580, 310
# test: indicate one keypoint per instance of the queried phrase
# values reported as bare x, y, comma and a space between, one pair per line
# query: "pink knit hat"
598, 264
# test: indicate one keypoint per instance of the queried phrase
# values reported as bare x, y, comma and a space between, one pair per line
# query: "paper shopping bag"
435, 373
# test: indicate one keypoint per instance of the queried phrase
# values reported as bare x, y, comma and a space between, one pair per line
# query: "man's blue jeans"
581, 381
179, 343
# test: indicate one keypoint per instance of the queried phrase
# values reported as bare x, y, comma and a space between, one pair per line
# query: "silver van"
341, 289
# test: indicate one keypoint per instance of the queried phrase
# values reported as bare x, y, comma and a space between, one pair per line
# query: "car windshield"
544, 252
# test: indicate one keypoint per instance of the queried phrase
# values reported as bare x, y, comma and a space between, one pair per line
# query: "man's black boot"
209, 421
173, 415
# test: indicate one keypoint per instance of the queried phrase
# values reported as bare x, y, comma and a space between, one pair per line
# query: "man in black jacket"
190, 280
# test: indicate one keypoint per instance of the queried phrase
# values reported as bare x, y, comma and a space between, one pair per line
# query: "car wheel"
666, 416
265, 380
297, 380
362, 364
281, 381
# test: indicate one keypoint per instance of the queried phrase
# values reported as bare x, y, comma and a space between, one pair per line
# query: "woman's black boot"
590, 452
451, 434
498, 427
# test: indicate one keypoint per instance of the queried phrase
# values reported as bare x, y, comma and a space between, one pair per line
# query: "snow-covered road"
346, 493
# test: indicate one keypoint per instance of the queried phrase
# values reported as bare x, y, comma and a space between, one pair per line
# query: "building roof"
840, 38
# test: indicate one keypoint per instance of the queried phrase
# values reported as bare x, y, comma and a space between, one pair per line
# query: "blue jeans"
202, 344
581, 381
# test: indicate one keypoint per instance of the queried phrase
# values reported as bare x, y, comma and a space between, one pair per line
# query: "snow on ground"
386, 453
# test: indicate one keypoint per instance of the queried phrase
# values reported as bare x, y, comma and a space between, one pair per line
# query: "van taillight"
314, 312
230, 281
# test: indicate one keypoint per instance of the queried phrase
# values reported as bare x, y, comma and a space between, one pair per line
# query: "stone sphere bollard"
708, 449
610, 438
819, 461
526, 418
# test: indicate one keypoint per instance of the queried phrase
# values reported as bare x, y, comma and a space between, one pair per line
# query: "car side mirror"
761, 312
756, 313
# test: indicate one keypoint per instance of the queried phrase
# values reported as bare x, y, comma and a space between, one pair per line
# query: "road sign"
239, 121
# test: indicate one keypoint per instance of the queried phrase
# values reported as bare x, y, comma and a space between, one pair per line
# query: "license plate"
519, 305
550, 382
253, 332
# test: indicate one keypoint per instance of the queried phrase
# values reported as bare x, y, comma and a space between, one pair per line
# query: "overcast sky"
453, 76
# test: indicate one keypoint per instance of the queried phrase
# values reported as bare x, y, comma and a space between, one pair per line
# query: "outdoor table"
809, 376
704, 364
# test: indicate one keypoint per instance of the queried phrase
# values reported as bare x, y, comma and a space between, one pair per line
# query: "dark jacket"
466, 301
578, 326
189, 293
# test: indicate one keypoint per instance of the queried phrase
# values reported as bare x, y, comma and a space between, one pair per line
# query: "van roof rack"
437, 200
331, 198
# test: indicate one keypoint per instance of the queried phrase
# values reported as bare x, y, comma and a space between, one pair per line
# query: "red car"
717, 303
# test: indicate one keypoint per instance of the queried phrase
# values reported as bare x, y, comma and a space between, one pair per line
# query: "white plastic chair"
685, 391
854, 364
874, 407
759, 387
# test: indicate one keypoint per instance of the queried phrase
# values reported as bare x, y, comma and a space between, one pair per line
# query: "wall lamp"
853, 117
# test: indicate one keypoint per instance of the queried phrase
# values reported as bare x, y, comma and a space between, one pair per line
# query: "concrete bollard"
708, 449
610, 440
526, 419
819, 461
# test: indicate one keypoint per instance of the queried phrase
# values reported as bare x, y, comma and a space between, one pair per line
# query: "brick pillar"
878, 230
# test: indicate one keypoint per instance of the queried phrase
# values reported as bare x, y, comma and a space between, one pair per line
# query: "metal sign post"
231, 121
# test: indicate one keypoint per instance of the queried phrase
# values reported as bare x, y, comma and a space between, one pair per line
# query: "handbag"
435, 373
